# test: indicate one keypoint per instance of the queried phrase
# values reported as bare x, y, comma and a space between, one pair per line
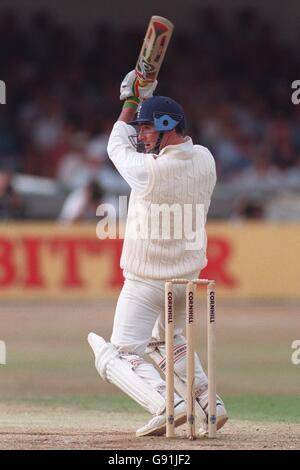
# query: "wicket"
190, 354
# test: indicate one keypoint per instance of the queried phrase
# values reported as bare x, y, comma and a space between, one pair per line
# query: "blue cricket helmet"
161, 111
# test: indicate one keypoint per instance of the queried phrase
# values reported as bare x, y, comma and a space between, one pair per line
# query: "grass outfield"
246, 407
51, 396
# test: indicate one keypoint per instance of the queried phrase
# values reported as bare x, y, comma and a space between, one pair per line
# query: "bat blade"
154, 48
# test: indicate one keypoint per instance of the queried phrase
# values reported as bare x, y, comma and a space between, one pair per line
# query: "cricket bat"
154, 48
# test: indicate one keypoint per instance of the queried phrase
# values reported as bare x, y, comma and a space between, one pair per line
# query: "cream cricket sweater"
165, 231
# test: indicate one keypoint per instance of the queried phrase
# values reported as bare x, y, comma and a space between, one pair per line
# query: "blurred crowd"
233, 78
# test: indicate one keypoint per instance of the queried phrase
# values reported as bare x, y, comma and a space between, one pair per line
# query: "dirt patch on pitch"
37, 427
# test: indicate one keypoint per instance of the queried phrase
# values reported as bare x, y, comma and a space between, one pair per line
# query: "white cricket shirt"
167, 191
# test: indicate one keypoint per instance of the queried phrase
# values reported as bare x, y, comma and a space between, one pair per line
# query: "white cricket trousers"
139, 316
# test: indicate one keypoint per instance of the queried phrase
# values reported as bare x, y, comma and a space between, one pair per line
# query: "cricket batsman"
164, 169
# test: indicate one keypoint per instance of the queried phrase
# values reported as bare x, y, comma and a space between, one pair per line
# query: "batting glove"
131, 86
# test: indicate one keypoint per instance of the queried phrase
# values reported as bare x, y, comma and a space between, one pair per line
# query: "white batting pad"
104, 353
118, 371
157, 354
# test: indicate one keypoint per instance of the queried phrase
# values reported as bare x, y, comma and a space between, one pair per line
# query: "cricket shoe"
222, 416
157, 425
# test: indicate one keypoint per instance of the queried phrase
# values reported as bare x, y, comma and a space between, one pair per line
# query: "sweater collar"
182, 151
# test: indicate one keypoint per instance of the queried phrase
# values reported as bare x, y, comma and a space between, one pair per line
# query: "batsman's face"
148, 135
